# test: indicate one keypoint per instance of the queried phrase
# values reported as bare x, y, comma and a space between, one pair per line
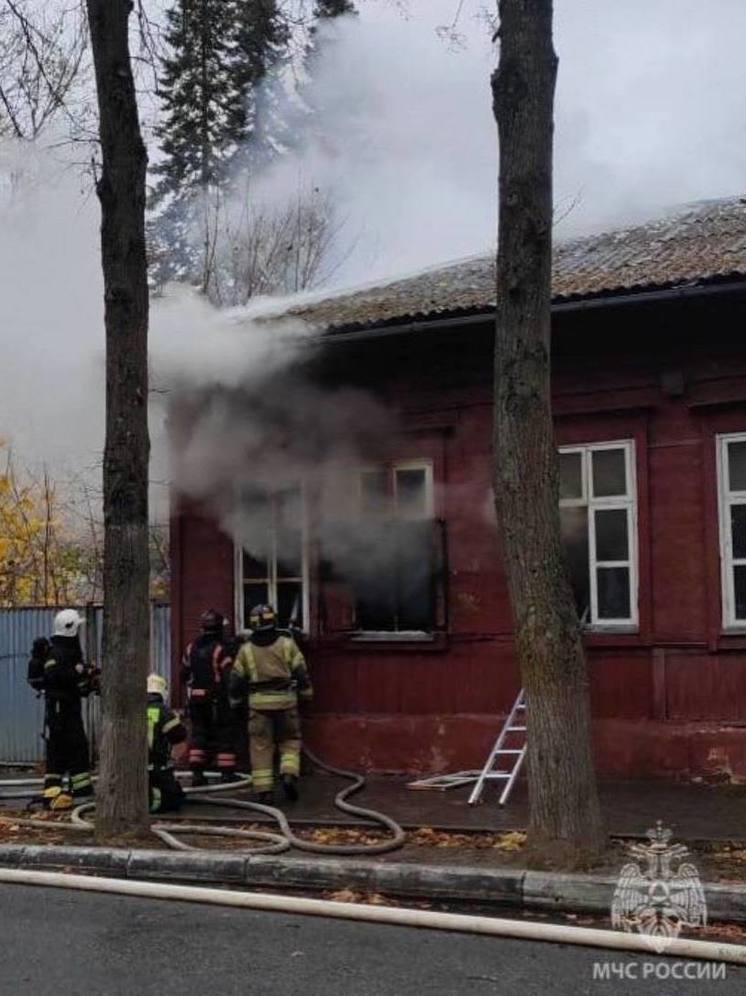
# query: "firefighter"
270, 672
205, 669
57, 669
165, 730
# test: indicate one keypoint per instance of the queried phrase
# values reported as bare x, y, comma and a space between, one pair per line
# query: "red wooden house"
410, 640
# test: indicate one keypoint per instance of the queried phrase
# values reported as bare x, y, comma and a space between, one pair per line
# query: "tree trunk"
121, 806
565, 821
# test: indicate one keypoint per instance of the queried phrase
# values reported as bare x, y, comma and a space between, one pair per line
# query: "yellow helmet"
157, 685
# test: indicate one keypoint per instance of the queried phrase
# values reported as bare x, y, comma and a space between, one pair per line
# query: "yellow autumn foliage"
38, 563
46, 557
21, 527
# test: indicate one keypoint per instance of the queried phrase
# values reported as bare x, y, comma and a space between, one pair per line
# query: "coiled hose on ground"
269, 842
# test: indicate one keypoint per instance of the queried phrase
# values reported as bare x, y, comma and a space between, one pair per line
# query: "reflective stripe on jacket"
275, 675
164, 730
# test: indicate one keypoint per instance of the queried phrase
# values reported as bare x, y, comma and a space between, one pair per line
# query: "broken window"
271, 555
390, 563
732, 489
598, 508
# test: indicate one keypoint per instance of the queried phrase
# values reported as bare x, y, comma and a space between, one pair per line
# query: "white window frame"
627, 503
390, 467
726, 500
272, 581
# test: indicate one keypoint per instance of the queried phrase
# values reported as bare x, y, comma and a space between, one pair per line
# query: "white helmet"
157, 685
67, 623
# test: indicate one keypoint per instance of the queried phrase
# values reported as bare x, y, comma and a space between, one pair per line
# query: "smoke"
651, 107
650, 112
272, 432
51, 304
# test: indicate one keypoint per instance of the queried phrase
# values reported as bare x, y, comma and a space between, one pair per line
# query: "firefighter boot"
265, 798
229, 776
55, 799
290, 787
63, 801
198, 779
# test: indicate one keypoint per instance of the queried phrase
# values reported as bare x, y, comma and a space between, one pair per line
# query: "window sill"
382, 642
732, 639
384, 636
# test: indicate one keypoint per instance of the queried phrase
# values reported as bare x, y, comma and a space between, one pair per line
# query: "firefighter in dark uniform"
270, 672
58, 670
165, 730
206, 667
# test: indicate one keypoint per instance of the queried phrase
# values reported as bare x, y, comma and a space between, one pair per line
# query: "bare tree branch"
41, 57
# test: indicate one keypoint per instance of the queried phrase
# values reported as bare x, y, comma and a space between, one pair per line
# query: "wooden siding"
666, 698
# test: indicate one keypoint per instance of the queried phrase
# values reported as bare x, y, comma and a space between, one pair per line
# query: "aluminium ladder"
514, 733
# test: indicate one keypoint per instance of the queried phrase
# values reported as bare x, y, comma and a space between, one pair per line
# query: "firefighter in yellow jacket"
271, 672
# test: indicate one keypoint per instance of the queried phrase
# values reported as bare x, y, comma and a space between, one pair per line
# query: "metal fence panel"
21, 712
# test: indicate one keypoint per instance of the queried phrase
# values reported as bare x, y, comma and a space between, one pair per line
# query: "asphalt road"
59, 942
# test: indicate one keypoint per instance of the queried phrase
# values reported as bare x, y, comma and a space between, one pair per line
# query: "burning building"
353, 491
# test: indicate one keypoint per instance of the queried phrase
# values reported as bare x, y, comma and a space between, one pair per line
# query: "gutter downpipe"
396, 916
341, 338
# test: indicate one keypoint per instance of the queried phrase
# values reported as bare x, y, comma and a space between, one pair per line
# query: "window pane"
738, 530
288, 517
739, 585
737, 466
415, 589
255, 534
290, 603
375, 608
289, 553
574, 528
374, 492
411, 493
571, 475
368, 561
255, 564
254, 594
613, 593
611, 534
609, 473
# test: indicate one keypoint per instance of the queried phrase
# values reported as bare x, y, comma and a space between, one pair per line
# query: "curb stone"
580, 893
190, 865
513, 888
725, 902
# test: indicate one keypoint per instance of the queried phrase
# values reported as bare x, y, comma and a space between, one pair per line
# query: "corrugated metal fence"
21, 713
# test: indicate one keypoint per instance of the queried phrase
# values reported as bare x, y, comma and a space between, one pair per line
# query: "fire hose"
270, 842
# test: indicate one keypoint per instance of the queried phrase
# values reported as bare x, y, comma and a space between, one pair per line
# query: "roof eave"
342, 335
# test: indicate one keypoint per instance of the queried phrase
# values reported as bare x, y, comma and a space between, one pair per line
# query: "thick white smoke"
650, 112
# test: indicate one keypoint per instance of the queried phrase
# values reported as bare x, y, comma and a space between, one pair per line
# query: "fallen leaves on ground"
332, 836
732, 932
429, 837
728, 853
340, 835
12, 832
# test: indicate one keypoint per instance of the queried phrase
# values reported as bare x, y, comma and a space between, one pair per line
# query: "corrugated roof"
700, 244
